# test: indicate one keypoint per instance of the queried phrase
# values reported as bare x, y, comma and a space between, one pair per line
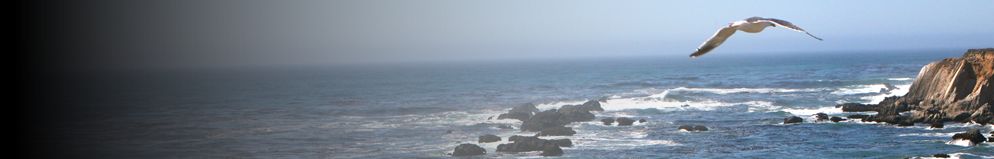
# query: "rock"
623, 121
837, 119
973, 135
557, 131
642, 120
940, 155
592, 105
551, 150
531, 143
575, 113
821, 116
857, 116
559, 117
468, 150
792, 119
888, 88
700, 128
607, 121
952, 89
522, 112
857, 107
936, 125
489, 138
542, 120
947, 89
983, 115
962, 117
562, 142
693, 128
514, 138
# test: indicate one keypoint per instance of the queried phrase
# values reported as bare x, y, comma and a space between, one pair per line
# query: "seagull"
749, 25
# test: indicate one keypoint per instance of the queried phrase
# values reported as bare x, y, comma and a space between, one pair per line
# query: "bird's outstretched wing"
718, 38
788, 25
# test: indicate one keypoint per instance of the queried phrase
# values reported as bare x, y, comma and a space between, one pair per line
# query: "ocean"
424, 110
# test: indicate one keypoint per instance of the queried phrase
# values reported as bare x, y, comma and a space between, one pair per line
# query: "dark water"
405, 110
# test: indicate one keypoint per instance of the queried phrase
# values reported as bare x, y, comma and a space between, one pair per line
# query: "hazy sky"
216, 32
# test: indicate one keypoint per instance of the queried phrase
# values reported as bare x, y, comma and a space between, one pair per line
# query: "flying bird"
749, 25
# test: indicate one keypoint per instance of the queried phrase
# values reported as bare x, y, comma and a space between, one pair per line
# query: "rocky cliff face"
952, 89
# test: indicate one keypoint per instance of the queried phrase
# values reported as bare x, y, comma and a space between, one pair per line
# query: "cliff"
952, 89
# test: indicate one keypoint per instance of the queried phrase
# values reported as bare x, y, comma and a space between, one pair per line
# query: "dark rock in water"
962, 117
514, 138
592, 105
905, 123
607, 121
575, 113
560, 117
973, 135
857, 116
562, 142
522, 112
542, 120
821, 116
700, 128
557, 131
468, 150
623, 121
857, 107
792, 119
530, 143
693, 128
448, 131
940, 155
642, 121
551, 150
936, 125
837, 119
899, 120
888, 88
489, 138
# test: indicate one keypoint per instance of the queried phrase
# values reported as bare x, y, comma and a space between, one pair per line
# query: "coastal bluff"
948, 90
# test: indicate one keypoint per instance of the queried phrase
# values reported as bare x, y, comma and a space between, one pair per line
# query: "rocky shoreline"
949, 90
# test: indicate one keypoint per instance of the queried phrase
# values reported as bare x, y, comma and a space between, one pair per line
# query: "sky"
203, 33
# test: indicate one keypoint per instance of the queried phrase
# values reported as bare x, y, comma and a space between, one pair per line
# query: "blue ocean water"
425, 110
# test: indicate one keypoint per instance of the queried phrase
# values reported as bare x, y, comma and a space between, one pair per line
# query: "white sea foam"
743, 90
616, 104
557, 104
899, 79
860, 89
899, 91
961, 142
658, 100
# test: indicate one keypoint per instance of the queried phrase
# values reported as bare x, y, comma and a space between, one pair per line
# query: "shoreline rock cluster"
546, 123
949, 90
